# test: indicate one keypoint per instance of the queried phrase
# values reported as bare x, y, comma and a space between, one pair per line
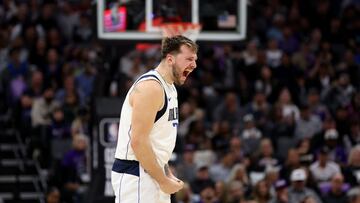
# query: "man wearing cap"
298, 191
282, 195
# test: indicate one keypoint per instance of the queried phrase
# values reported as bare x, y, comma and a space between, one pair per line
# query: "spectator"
207, 195
308, 125
16, 67
315, 106
36, 87
237, 151
187, 169
43, 107
282, 195
337, 194
80, 125
261, 192
292, 162
289, 109
273, 54
266, 156
352, 139
53, 195
353, 167
235, 192
239, 173
298, 191
260, 109
202, 179
220, 171
73, 171
337, 152
323, 169
228, 110
85, 81
250, 136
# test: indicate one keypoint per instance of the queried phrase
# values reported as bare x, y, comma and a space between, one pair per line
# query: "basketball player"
148, 128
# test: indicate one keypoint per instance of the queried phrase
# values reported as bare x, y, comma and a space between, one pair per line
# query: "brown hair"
171, 45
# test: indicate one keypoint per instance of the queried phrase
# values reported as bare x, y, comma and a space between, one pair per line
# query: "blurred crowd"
48, 64
272, 119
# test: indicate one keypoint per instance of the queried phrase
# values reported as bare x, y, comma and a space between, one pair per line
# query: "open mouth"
186, 73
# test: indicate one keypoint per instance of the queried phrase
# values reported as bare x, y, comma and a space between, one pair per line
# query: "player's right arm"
146, 99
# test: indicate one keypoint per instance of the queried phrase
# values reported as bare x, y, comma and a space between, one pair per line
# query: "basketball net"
189, 30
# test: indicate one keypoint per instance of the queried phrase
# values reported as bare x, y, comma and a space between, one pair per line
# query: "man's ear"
170, 59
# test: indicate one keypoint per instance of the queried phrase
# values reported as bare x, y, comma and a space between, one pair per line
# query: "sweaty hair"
171, 45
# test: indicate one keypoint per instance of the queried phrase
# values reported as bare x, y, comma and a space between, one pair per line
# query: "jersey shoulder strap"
162, 111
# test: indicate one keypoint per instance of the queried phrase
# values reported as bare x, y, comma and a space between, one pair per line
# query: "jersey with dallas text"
164, 131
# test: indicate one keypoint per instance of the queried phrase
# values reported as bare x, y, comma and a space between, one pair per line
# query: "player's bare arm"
146, 99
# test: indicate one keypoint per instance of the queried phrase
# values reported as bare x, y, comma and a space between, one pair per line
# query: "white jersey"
164, 132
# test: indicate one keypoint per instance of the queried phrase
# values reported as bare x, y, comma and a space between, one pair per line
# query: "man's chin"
180, 82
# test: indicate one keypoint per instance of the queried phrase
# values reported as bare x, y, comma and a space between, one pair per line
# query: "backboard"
223, 20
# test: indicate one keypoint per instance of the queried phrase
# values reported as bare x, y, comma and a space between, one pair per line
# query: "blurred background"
271, 114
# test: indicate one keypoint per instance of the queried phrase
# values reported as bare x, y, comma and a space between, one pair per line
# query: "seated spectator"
73, 171
337, 192
80, 125
323, 169
308, 125
229, 110
306, 156
236, 149
337, 152
261, 192
36, 86
69, 88
250, 136
53, 195
353, 138
260, 109
59, 128
298, 191
220, 141
43, 107
272, 174
207, 195
315, 106
281, 195
352, 171
60, 136
238, 173
220, 171
187, 169
292, 162
235, 192
289, 109
201, 180
266, 156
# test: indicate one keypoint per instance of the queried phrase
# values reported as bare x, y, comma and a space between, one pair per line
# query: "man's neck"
164, 71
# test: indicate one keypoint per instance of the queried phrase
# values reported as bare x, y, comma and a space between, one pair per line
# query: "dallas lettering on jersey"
173, 114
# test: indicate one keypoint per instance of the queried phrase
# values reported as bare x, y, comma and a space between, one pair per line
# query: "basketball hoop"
189, 30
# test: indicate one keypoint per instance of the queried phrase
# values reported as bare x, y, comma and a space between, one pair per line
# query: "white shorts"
132, 184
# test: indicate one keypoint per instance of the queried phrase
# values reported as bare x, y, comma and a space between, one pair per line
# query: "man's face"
183, 64
299, 185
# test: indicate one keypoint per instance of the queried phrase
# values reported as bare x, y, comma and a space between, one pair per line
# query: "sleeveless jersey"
164, 131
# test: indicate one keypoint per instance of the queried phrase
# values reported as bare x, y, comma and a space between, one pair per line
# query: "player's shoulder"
149, 85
